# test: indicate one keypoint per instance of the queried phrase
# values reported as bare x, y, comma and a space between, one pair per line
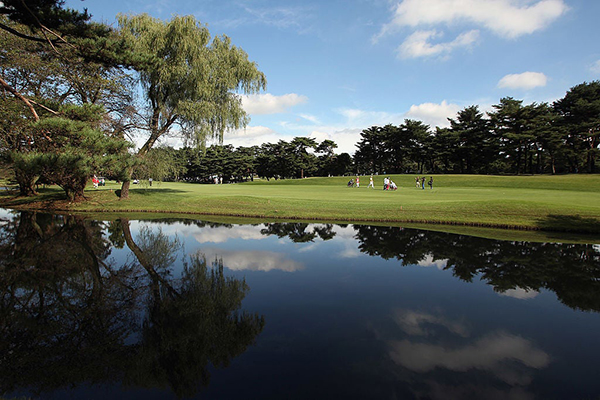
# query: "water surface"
189, 309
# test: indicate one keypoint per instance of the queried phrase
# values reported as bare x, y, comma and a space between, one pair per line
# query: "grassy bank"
556, 203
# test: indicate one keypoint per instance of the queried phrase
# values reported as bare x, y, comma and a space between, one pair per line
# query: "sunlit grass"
567, 203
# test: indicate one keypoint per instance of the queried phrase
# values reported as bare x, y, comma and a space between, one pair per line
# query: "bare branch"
44, 107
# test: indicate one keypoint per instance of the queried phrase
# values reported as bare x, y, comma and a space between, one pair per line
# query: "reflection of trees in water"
572, 271
69, 315
63, 310
191, 222
297, 232
191, 324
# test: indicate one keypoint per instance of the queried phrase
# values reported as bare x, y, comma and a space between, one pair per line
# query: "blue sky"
337, 67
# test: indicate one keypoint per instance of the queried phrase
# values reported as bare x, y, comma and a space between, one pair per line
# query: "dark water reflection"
178, 309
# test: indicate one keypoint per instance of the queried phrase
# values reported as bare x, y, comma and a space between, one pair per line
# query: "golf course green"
568, 203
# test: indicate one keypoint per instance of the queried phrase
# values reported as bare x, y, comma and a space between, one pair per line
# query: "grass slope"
558, 203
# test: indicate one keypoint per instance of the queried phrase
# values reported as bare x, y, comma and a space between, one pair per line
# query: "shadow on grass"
15, 200
46, 197
149, 192
569, 223
47, 202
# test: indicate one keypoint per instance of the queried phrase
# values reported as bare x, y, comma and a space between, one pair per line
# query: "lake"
168, 309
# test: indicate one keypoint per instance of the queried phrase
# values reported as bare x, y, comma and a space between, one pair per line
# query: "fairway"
568, 203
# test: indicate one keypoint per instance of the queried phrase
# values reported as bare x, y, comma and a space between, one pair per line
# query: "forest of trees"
512, 139
76, 92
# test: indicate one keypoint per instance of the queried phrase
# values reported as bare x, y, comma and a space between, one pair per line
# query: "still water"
187, 309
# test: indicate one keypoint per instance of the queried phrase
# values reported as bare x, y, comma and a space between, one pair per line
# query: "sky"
337, 67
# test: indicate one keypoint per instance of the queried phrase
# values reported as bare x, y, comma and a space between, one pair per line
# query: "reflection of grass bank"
531, 202
569, 223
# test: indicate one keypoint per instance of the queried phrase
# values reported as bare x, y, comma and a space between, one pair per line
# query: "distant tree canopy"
513, 138
301, 157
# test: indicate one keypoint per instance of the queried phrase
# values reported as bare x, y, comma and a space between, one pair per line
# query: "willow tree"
192, 82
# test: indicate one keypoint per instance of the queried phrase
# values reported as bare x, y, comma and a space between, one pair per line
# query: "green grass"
569, 203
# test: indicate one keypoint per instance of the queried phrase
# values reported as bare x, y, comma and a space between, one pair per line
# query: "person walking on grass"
357, 181
430, 183
371, 183
418, 183
423, 183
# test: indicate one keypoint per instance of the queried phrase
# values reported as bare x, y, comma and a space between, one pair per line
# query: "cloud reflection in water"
428, 350
222, 234
253, 260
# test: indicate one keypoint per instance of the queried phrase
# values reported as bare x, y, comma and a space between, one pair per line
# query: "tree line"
514, 138
301, 157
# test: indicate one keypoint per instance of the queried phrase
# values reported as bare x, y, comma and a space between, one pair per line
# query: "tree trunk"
125, 190
26, 183
74, 195
146, 263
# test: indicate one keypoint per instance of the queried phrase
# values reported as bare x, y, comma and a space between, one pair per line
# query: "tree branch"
20, 97
24, 36
45, 29
44, 107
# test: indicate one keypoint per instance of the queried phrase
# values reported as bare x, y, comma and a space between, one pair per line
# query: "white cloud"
261, 104
526, 80
310, 118
346, 139
253, 260
490, 353
520, 293
428, 261
251, 136
418, 44
346, 133
364, 118
280, 17
223, 234
595, 67
506, 18
434, 114
249, 132
352, 113
347, 237
415, 323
